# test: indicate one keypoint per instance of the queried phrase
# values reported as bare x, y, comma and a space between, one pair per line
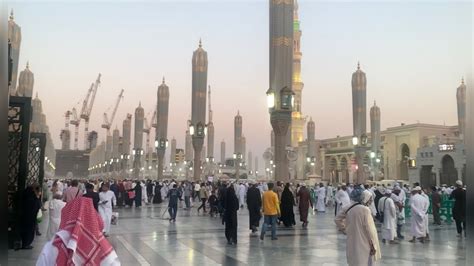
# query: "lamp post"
280, 109
360, 146
197, 133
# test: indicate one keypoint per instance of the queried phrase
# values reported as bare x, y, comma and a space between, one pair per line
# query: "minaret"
375, 136
281, 79
238, 133
163, 95
297, 118
138, 140
14, 35
359, 116
198, 114
223, 152
188, 150
210, 130
115, 148
26, 82
36, 106
311, 138
256, 166
250, 162
126, 132
461, 101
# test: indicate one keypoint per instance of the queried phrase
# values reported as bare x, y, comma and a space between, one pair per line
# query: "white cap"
388, 191
459, 182
418, 188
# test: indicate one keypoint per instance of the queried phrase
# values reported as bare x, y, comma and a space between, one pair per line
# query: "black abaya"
230, 215
286, 207
254, 204
31, 206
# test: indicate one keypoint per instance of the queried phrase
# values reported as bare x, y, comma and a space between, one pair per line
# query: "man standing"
242, 190
459, 208
107, 198
436, 205
418, 215
254, 204
188, 191
321, 204
398, 197
271, 210
304, 203
72, 192
174, 195
389, 226
342, 199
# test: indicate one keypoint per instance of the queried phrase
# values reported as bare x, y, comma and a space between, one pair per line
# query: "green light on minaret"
296, 25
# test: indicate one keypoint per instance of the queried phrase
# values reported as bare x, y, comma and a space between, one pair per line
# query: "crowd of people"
357, 208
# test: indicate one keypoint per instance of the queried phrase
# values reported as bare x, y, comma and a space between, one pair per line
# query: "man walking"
436, 205
304, 203
254, 204
459, 208
107, 198
174, 195
271, 210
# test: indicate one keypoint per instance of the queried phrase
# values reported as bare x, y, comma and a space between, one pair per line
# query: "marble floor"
144, 237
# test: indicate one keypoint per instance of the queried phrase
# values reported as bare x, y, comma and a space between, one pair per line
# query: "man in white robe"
106, 197
321, 203
242, 192
419, 208
342, 199
362, 244
398, 196
55, 207
389, 226
330, 195
427, 202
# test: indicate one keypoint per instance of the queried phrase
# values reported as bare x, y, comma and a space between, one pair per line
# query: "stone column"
280, 121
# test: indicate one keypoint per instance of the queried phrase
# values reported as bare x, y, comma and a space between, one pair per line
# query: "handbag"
39, 216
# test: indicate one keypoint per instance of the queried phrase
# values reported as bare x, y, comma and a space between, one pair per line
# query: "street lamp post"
197, 132
280, 109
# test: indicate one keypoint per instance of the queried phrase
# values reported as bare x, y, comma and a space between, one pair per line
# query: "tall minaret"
375, 136
126, 139
210, 130
311, 138
115, 148
297, 118
250, 162
223, 152
359, 117
238, 133
461, 100
138, 140
14, 35
26, 82
256, 165
163, 96
188, 147
198, 114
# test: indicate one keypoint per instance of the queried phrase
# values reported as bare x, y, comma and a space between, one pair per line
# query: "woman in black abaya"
231, 206
286, 207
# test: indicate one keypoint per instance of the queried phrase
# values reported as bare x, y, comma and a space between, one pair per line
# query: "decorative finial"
163, 80
358, 65
375, 103
462, 80
200, 43
11, 14
238, 112
27, 64
140, 104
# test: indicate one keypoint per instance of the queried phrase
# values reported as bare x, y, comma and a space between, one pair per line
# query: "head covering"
80, 239
397, 187
303, 184
356, 194
388, 191
366, 196
459, 182
417, 188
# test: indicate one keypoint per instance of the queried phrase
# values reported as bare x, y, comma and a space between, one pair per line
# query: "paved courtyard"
143, 237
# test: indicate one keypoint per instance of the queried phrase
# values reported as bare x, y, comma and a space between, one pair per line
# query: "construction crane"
75, 121
107, 123
87, 108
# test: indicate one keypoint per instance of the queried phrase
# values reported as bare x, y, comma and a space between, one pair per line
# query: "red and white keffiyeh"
79, 240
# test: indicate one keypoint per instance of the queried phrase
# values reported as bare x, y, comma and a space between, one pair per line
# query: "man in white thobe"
55, 207
106, 197
427, 202
242, 190
419, 207
398, 196
330, 195
321, 203
342, 199
389, 226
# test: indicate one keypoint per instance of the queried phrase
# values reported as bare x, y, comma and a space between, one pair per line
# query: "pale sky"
414, 55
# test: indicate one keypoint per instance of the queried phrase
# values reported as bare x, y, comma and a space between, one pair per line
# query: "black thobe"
254, 204
31, 206
459, 208
157, 197
138, 195
230, 215
286, 208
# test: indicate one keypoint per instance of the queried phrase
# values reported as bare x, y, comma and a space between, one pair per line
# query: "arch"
449, 174
404, 156
344, 170
333, 169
